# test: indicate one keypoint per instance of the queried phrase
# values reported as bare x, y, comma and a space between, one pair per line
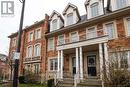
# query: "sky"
35, 10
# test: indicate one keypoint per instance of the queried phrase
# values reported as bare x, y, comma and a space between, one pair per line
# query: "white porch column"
81, 63
106, 56
101, 60
77, 61
62, 62
58, 65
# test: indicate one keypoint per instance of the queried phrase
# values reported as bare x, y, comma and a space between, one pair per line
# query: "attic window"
94, 9
70, 19
54, 24
121, 3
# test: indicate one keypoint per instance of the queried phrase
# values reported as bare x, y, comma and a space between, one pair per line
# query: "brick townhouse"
33, 48
80, 45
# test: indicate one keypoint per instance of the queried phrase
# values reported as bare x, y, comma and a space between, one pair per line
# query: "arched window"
95, 9
54, 24
121, 3
70, 19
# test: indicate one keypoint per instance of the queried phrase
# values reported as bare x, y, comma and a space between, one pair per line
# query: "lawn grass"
31, 85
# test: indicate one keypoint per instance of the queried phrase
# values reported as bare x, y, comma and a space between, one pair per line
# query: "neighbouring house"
4, 68
33, 48
80, 45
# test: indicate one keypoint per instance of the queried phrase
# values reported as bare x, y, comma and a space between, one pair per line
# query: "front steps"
90, 83
66, 82
69, 82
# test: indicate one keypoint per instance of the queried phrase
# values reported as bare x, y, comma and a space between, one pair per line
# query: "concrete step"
90, 83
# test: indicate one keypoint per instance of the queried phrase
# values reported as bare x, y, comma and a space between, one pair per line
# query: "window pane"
30, 37
128, 22
94, 10
54, 24
110, 30
37, 34
56, 64
29, 51
70, 19
91, 33
74, 37
50, 44
37, 50
61, 40
121, 3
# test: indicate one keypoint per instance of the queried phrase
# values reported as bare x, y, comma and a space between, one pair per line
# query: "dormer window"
54, 24
94, 9
121, 3
70, 19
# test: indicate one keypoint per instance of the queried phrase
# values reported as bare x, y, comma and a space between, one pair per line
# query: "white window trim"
90, 28
34, 49
115, 29
126, 26
52, 58
27, 51
53, 44
70, 36
29, 36
58, 38
40, 32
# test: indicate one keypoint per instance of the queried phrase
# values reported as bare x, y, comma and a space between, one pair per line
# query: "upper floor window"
36, 68
53, 64
37, 34
94, 9
74, 37
37, 50
29, 52
54, 24
121, 3
30, 36
14, 42
60, 39
110, 30
91, 33
128, 26
50, 44
70, 19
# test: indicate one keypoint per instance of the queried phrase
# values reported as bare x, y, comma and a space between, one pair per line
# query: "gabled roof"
74, 7
58, 14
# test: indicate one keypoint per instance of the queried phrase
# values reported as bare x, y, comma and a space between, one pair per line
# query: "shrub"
21, 79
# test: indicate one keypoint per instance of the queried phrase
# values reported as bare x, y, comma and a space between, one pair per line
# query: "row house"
80, 45
33, 48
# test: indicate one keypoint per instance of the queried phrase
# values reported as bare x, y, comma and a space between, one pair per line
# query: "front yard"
31, 85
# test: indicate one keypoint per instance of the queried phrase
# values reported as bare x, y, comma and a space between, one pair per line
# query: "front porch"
84, 61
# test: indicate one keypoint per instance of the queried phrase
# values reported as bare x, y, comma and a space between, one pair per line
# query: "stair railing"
76, 79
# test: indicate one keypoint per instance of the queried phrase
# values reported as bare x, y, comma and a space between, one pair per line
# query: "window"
36, 68
50, 44
121, 3
110, 30
54, 24
30, 37
14, 41
37, 50
128, 26
53, 64
70, 19
120, 59
91, 33
27, 68
29, 52
94, 9
37, 34
61, 40
74, 37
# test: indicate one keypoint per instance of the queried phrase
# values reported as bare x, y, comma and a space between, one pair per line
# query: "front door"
73, 65
91, 62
